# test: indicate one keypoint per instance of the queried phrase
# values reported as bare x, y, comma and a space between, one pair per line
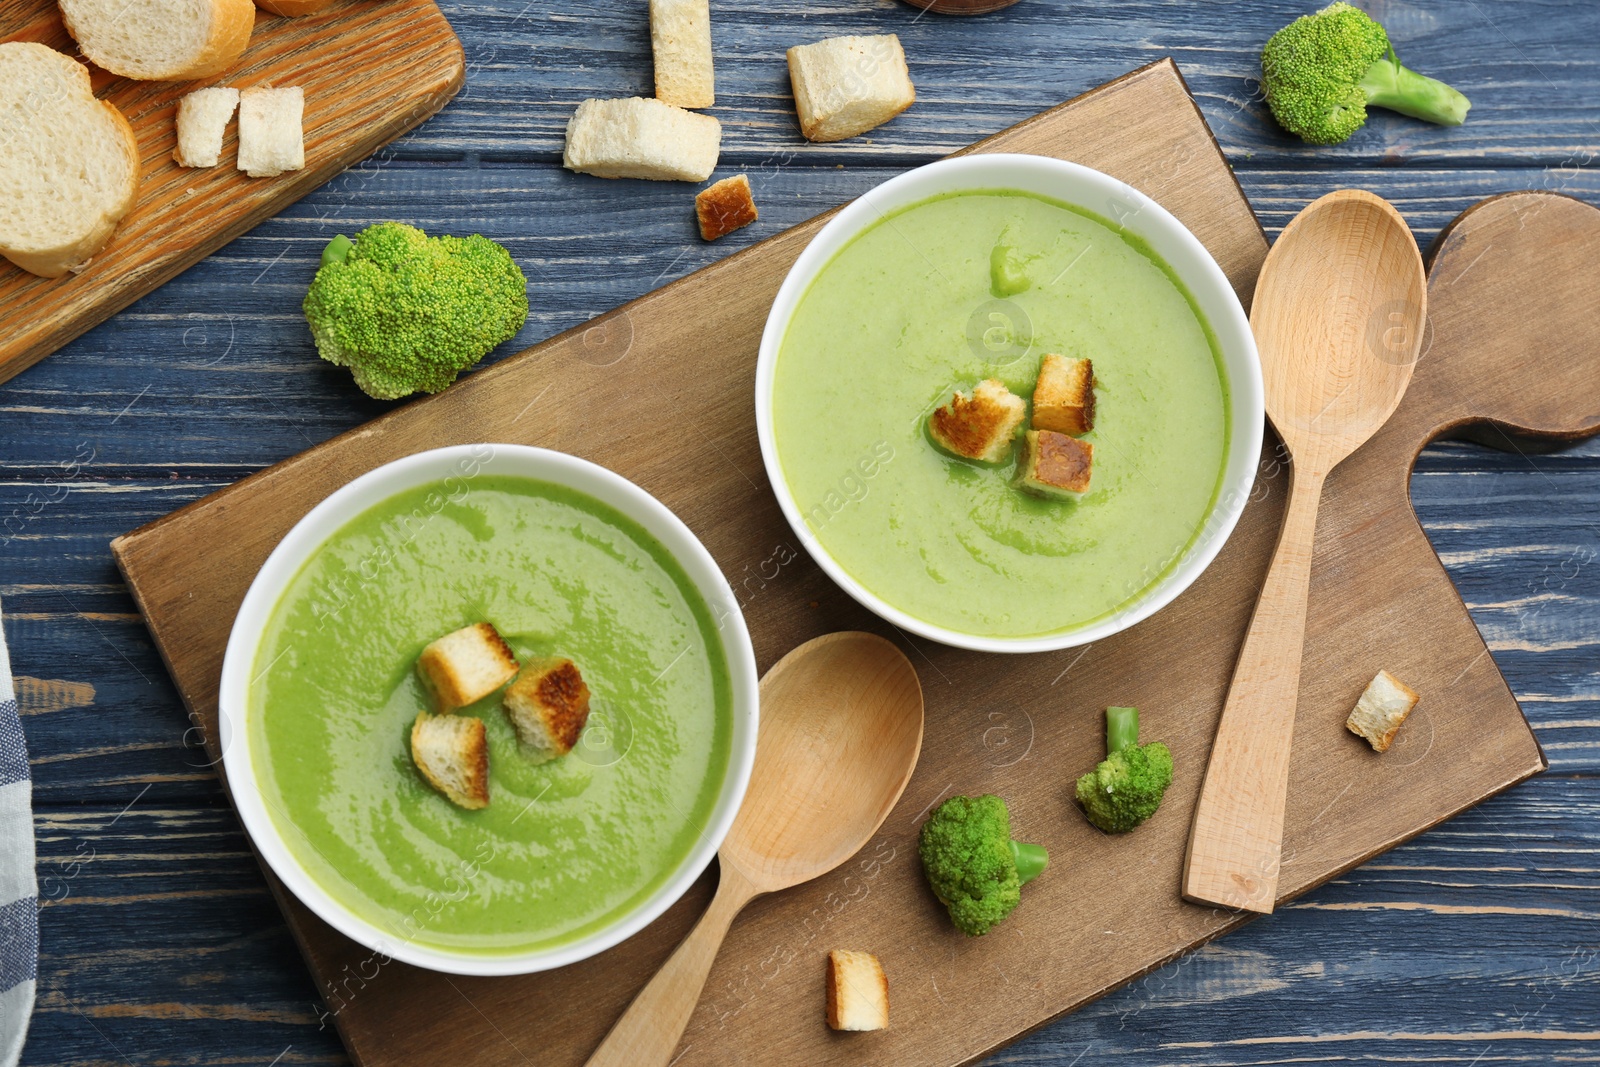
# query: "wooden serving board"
661, 390
371, 69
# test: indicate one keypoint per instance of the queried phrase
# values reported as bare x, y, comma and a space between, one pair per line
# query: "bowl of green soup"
974, 269
571, 855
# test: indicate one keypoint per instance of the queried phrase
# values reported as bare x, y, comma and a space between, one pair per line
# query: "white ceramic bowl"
1115, 201
457, 462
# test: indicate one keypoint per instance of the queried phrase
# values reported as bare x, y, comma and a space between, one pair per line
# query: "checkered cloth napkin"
19, 893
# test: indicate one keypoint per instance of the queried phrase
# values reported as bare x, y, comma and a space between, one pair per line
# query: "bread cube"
639, 138
845, 86
979, 426
203, 118
271, 140
858, 991
1063, 400
724, 207
1054, 465
1380, 711
549, 705
452, 752
680, 38
466, 666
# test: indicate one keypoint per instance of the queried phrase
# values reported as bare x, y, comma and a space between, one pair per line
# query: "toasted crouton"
1380, 711
467, 665
1063, 400
549, 705
724, 207
680, 38
452, 752
1053, 464
979, 426
271, 140
203, 118
845, 86
639, 138
858, 991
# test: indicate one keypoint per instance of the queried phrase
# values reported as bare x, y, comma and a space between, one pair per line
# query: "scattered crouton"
549, 705
639, 138
1380, 711
680, 38
465, 666
271, 140
1055, 465
452, 752
858, 991
1063, 400
724, 207
203, 118
979, 426
845, 86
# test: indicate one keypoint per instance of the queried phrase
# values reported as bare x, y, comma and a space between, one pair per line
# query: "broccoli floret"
1125, 789
1321, 73
407, 312
973, 866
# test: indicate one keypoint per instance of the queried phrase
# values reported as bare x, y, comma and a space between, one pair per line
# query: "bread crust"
979, 426
293, 8
231, 23
857, 991
725, 206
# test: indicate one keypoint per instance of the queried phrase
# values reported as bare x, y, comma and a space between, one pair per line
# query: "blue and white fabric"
19, 892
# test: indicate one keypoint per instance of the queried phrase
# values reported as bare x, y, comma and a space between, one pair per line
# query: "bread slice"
293, 7
1380, 711
979, 426
466, 665
845, 86
271, 140
1063, 400
452, 752
1055, 465
203, 118
69, 164
725, 206
680, 38
858, 991
639, 138
161, 40
549, 706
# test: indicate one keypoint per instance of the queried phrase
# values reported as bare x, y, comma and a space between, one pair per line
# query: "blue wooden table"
1478, 943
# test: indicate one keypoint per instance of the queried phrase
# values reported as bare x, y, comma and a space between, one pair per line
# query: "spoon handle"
1235, 844
649, 1030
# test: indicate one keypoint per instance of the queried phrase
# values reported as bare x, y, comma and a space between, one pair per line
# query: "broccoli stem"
336, 250
1390, 85
1031, 860
1122, 729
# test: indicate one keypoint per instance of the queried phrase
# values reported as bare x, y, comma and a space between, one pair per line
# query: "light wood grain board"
1108, 909
370, 70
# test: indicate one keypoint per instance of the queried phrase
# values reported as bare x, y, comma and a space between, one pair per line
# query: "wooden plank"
403, 56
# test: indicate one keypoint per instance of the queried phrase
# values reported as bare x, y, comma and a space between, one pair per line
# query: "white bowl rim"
380, 484
1207, 284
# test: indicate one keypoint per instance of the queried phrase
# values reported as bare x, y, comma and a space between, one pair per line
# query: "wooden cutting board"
371, 71
661, 390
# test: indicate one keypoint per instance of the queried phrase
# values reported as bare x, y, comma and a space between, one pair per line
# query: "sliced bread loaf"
69, 165
161, 40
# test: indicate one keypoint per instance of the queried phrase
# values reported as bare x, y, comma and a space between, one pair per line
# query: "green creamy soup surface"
968, 286
564, 847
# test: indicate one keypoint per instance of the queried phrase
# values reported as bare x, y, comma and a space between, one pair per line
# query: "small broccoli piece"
1321, 72
1125, 789
973, 866
407, 312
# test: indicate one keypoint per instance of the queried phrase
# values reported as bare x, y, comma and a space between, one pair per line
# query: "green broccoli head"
973, 866
1321, 72
1127, 787
407, 312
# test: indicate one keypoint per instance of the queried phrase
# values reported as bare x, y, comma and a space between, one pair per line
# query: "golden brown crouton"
1380, 711
1053, 464
1063, 400
452, 752
466, 665
858, 991
979, 426
724, 207
549, 705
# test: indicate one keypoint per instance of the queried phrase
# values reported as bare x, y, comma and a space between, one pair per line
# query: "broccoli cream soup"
563, 847
940, 296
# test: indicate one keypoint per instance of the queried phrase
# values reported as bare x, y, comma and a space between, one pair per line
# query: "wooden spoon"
841, 727
1338, 316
